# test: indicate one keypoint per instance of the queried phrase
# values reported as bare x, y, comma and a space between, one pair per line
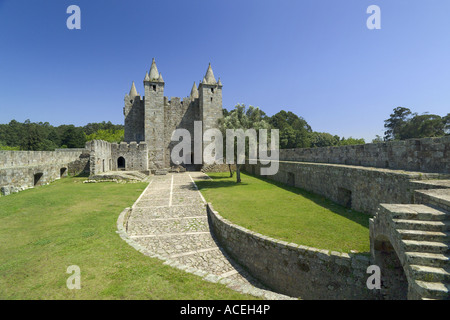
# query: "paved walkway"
169, 221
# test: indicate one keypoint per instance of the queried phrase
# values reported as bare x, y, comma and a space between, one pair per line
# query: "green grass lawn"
45, 230
286, 213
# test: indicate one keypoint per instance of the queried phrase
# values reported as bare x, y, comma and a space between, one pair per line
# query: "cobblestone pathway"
169, 221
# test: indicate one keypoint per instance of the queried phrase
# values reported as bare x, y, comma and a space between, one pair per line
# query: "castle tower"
134, 116
154, 117
210, 100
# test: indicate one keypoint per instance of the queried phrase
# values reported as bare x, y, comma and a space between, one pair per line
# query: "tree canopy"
45, 137
404, 124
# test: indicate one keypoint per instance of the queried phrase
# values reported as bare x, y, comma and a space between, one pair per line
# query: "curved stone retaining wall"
292, 269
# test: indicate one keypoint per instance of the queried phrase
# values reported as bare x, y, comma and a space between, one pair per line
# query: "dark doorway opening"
345, 197
394, 284
291, 179
37, 178
62, 172
121, 163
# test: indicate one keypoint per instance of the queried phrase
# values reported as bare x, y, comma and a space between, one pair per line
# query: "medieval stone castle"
151, 120
402, 186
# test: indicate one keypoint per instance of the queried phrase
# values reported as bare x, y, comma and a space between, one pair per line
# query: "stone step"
439, 198
424, 246
430, 274
436, 260
431, 289
434, 226
424, 235
415, 212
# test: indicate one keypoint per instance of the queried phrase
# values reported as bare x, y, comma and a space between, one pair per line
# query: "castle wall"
295, 270
135, 156
20, 170
423, 155
101, 159
357, 187
134, 119
178, 114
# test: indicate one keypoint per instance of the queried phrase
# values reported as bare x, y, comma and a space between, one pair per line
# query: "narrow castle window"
154, 88
211, 99
212, 90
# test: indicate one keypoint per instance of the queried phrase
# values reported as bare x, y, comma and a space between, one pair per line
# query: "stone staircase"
208, 168
420, 235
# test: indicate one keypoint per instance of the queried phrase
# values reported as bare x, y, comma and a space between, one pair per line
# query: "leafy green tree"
395, 123
422, 126
110, 135
377, 139
294, 130
351, 141
242, 118
323, 139
73, 137
403, 124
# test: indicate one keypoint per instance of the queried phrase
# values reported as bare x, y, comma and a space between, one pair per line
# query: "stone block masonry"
421, 155
291, 269
107, 156
356, 187
153, 117
20, 170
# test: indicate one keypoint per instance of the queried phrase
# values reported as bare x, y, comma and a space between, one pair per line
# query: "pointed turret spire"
194, 91
147, 77
160, 79
154, 74
209, 77
133, 92
219, 83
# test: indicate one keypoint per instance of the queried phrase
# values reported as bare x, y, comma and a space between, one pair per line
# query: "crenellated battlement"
129, 147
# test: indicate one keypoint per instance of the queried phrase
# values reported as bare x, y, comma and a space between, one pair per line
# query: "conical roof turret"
194, 91
154, 74
209, 76
133, 92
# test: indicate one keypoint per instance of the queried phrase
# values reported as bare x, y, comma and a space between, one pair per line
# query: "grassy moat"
45, 230
287, 213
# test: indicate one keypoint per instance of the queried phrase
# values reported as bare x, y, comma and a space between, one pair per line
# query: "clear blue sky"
315, 58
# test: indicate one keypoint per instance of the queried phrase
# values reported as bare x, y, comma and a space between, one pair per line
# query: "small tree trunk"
238, 173
231, 171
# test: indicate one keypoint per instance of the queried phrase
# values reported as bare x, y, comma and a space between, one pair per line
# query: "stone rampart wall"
20, 170
292, 269
357, 187
421, 155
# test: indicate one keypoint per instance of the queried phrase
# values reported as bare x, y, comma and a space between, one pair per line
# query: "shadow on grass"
82, 175
355, 216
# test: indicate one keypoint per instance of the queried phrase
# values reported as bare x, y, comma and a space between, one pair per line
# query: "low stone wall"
360, 188
20, 170
424, 155
292, 269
